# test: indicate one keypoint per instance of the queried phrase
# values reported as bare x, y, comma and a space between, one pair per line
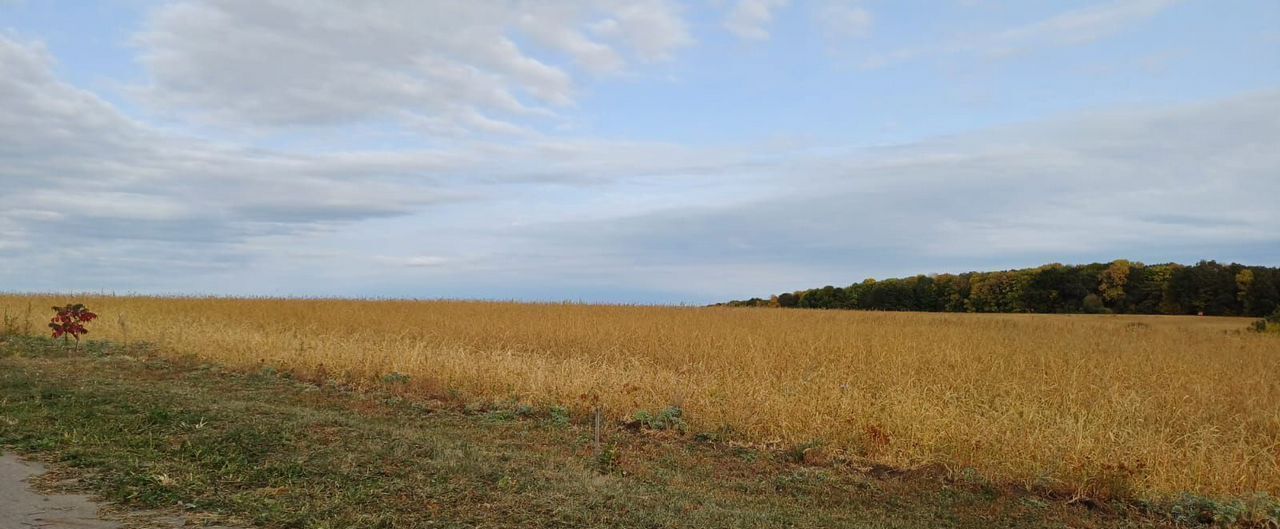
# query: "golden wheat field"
1139, 406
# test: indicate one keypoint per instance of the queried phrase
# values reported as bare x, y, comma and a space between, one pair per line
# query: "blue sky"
598, 150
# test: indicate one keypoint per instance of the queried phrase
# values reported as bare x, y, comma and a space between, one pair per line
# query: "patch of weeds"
719, 435
746, 454
801, 482
797, 454
1197, 509
670, 418
11, 325
514, 408
501, 415
1032, 502
97, 349
394, 378
971, 476
559, 416
975, 481
608, 459
508, 483
1260, 510
35, 347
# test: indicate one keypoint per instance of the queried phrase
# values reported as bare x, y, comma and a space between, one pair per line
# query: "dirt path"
21, 507
24, 507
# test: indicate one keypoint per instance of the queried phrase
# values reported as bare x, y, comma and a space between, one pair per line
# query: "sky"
647, 151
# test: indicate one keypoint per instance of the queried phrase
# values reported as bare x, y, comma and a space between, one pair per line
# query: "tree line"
1121, 287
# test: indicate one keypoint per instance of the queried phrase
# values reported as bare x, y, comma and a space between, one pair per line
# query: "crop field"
1139, 407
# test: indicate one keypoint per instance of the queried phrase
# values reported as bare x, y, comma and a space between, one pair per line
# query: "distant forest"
1121, 287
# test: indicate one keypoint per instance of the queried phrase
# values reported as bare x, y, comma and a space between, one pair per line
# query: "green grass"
266, 450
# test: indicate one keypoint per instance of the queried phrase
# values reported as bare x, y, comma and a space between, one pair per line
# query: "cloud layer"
1075, 27
476, 192
443, 68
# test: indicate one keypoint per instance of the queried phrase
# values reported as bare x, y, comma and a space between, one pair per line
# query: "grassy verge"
269, 451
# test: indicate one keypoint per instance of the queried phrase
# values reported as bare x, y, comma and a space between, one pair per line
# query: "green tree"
1207, 287
1244, 283
787, 300
1092, 304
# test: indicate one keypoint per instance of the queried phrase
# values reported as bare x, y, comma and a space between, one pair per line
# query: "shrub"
69, 320
1268, 324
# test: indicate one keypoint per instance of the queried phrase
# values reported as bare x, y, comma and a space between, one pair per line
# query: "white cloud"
1069, 28
134, 199
1075, 27
843, 19
78, 172
654, 29
749, 18
425, 261
451, 68
592, 55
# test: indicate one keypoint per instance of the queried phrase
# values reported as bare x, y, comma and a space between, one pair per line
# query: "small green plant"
607, 459
395, 378
508, 483
719, 435
670, 418
1192, 509
500, 415
560, 416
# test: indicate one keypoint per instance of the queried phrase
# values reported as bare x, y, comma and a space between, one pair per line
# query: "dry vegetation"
1131, 406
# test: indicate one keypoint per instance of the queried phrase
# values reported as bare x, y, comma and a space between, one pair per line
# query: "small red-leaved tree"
70, 320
